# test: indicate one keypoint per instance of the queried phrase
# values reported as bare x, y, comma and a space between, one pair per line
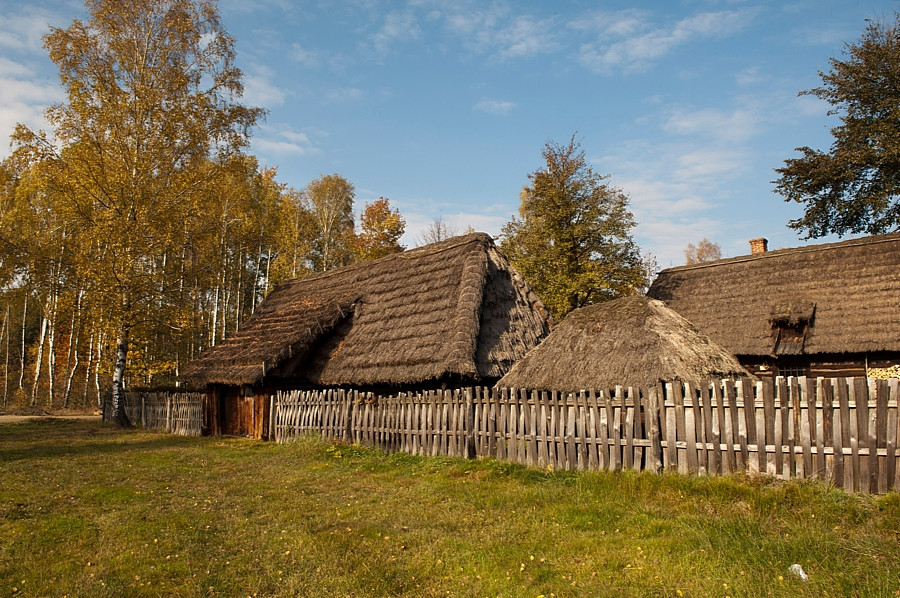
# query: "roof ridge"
860, 241
414, 253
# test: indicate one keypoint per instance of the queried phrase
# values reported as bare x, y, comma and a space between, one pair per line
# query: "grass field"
89, 510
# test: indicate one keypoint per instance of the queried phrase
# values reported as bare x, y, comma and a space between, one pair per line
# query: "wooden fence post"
470, 424
654, 459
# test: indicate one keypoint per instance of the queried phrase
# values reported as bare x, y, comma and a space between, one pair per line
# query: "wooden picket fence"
174, 412
841, 430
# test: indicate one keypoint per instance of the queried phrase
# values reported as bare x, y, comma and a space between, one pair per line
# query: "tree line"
139, 231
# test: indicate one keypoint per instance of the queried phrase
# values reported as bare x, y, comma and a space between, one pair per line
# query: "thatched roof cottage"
632, 341
821, 310
453, 312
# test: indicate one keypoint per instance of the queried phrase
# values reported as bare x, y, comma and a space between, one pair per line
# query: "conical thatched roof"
848, 293
450, 309
633, 341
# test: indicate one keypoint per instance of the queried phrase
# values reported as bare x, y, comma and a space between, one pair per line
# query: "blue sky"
444, 106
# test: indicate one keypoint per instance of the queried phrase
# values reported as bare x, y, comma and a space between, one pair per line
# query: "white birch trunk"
6, 362
87, 370
40, 359
22, 362
118, 380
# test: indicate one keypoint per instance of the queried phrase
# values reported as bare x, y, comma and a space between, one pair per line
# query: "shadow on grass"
51, 438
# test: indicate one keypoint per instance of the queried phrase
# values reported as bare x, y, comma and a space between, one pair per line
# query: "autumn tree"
151, 118
572, 241
330, 200
703, 251
380, 229
854, 188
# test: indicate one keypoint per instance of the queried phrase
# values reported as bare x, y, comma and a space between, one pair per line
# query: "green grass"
89, 510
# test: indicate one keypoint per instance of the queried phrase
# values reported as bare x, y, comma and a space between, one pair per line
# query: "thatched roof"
836, 298
633, 341
450, 309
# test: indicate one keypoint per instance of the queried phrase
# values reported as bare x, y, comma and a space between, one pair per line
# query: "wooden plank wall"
177, 413
844, 430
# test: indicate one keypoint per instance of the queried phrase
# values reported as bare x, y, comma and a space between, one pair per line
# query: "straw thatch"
823, 299
633, 341
450, 310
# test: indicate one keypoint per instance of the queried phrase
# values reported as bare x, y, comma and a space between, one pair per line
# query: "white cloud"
640, 50
499, 107
750, 76
24, 30
347, 94
303, 56
496, 30
613, 24
281, 141
399, 26
260, 89
23, 99
721, 125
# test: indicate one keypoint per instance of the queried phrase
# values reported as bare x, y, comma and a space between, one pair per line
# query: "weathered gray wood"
671, 427
711, 434
581, 430
546, 449
767, 391
594, 452
892, 433
859, 426
641, 399
628, 407
746, 396
571, 415
654, 460
807, 432
879, 464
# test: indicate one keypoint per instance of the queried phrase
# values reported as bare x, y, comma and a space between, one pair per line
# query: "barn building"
450, 313
821, 310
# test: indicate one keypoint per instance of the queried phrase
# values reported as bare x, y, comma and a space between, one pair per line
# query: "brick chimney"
760, 245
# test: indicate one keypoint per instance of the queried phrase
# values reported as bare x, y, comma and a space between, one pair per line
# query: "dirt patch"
6, 419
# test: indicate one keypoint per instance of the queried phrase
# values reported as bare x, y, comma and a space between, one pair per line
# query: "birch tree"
152, 113
330, 199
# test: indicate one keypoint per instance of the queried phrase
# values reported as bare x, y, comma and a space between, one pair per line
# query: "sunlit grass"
88, 510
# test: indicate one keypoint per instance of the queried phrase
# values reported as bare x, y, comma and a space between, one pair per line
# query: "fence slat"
845, 430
